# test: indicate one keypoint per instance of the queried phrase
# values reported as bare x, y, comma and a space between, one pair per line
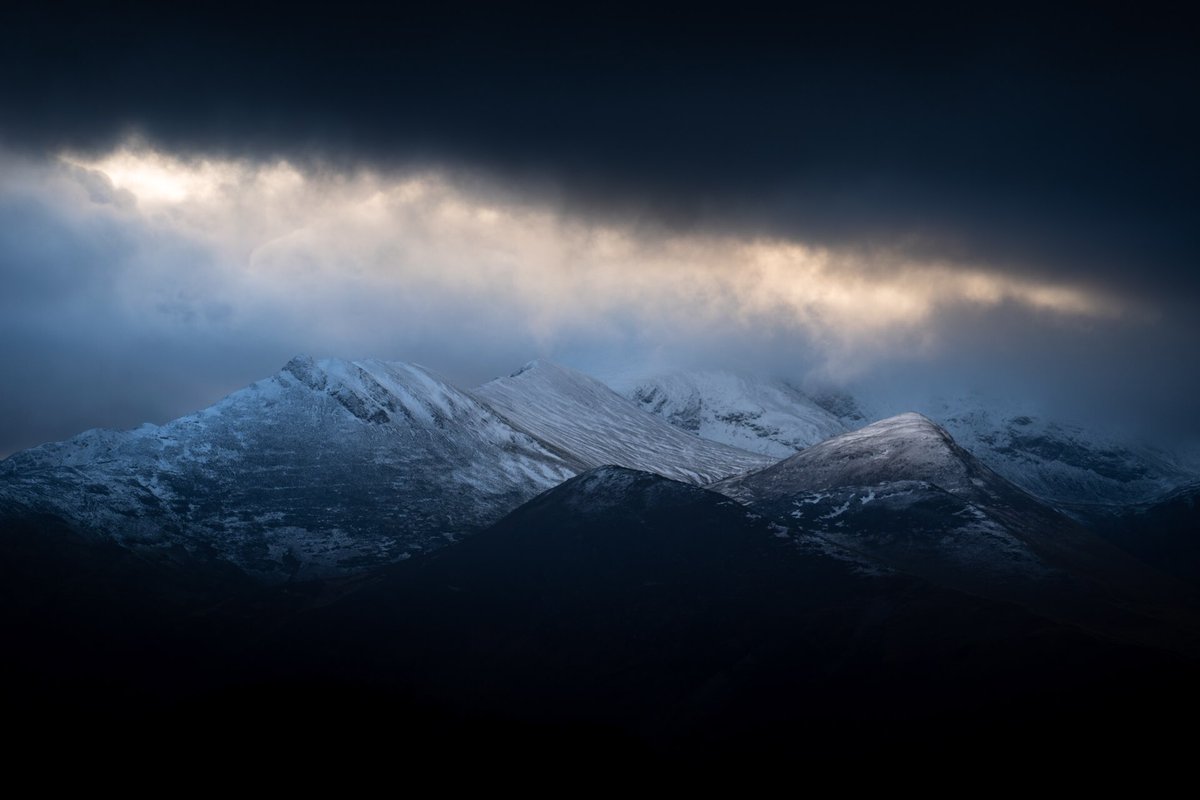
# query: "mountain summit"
901, 495
589, 423
325, 467
908, 447
765, 416
1078, 469
336, 466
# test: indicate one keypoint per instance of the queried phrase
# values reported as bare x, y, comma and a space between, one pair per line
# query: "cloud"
142, 284
991, 197
303, 245
278, 231
996, 140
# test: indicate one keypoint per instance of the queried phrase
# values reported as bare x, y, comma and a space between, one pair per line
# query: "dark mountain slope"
903, 495
620, 615
666, 615
1164, 534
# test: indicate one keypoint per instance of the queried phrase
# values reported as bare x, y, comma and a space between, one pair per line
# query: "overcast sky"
1004, 201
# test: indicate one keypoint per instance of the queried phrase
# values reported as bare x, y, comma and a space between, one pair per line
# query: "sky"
867, 196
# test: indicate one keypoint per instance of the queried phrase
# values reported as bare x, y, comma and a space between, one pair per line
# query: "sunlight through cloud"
287, 237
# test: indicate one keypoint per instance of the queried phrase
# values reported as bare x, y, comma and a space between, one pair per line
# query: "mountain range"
324, 467
338, 466
765, 416
335, 466
1075, 468
697, 561
592, 425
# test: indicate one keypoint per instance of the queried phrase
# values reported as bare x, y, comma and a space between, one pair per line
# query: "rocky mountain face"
325, 468
336, 467
901, 492
1068, 466
302, 548
902, 495
585, 420
768, 417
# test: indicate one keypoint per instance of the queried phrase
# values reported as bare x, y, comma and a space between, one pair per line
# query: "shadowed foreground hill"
1165, 533
618, 614
669, 617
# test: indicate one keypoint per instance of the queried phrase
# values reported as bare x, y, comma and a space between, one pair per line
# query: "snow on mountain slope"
1061, 463
768, 417
934, 501
327, 466
593, 425
905, 447
1064, 464
903, 494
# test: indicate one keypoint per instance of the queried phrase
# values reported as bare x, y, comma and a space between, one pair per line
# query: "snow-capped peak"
380, 391
529, 365
906, 447
771, 417
589, 422
327, 466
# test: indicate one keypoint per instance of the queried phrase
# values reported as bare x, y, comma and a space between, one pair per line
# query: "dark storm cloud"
1054, 148
1046, 142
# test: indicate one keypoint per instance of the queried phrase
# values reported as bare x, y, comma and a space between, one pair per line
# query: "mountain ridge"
577, 414
329, 465
904, 495
769, 417
1077, 469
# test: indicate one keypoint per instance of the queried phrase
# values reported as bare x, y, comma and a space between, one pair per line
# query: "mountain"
1164, 533
590, 424
619, 614
855, 489
903, 495
625, 605
763, 416
1068, 465
325, 467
